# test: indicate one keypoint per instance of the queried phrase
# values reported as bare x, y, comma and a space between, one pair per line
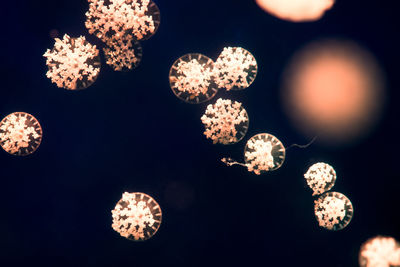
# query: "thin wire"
303, 146
231, 162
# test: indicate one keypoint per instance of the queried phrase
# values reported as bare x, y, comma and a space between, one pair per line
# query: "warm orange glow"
334, 90
296, 10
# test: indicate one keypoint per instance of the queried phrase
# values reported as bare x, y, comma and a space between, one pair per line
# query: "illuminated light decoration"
296, 10
335, 90
73, 63
333, 211
226, 122
235, 69
115, 18
123, 54
20, 134
320, 177
136, 216
191, 78
380, 251
263, 153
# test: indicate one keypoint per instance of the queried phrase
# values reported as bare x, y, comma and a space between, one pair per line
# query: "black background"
128, 132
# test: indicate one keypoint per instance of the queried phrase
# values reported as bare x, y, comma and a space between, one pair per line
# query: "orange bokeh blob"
296, 10
333, 89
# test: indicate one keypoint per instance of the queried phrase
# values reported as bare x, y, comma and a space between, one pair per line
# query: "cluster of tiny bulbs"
333, 210
196, 78
74, 63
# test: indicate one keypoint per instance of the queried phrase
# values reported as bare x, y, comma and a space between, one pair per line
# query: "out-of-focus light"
380, 251
20, 134
115, 18
333, 211
320, 177
191, 78
333, 90
235, 69
136, 216
73, 63
226, 122
123, 54
264, 152
296, 10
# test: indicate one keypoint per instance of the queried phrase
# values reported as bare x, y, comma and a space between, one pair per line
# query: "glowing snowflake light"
20, 134
73, 63
123, 54
235, 68
320, 177
114, 18
191, 78
333, 211
226, 122
263, 153
380, 251
136, 216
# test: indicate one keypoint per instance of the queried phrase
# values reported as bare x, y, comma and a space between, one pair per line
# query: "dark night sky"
128, 132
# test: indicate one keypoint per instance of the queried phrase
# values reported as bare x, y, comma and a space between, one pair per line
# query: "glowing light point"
320, 177
296, 10
191, 78
226, 122
235, 69
20, 134
264, 152
123, 54
333, 211
73, 63
136, 216
115, 18
380, 251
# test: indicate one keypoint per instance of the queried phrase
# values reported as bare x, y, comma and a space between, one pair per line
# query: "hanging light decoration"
333, 211
263, 153
73, 63
380, 251
320, 177
136, 216
235, 69
226, 122
20, 134
191, 78
113, 19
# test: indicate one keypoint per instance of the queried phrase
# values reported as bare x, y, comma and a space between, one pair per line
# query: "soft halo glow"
296, 10
333, 89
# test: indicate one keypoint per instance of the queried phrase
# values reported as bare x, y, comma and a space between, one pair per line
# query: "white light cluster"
73, 63
136, 216
225, 122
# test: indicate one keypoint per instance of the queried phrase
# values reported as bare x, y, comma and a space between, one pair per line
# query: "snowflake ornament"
191, 78
333, 211
136, 216
380, 251
320, 177
112, 19
226, 122
73, 63
264, 152
235, 69
123, 54
20, 134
